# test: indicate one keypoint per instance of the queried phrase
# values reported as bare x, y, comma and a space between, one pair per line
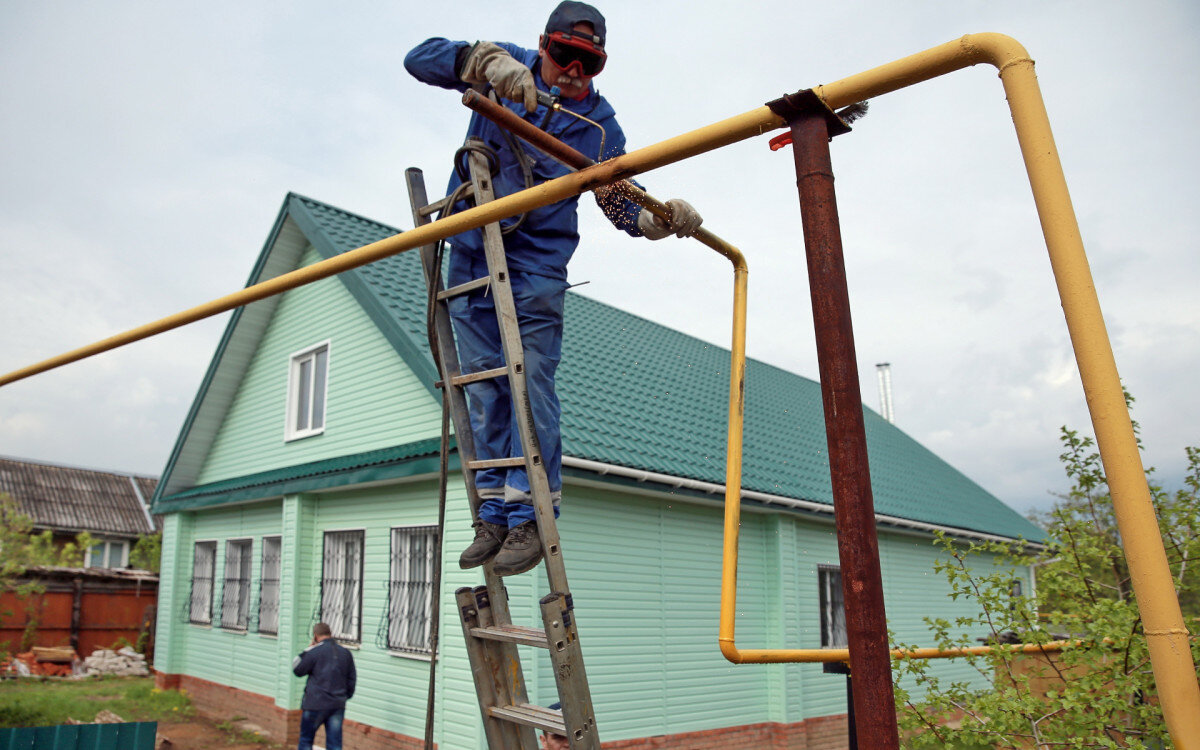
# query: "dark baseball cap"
568, 13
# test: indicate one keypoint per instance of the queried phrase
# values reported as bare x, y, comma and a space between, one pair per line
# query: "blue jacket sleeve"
304, 662
435, 61
351, 678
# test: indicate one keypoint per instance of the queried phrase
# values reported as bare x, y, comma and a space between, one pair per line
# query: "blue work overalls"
537, 252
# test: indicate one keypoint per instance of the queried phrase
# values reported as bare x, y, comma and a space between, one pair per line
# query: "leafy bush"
1097, 693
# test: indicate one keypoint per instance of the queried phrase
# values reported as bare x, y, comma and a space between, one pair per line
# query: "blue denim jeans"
310, 721
539, 303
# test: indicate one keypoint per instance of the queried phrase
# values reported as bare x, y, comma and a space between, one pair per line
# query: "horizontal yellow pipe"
827, 655
734, 129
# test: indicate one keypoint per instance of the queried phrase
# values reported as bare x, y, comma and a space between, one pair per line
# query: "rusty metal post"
874, 710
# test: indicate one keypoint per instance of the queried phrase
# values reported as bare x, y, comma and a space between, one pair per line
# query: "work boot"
488, 539
522, 551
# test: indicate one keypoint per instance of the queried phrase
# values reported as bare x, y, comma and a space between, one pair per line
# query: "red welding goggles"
565, 50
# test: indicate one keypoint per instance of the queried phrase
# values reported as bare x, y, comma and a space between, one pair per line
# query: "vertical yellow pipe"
733, 465
1166, 635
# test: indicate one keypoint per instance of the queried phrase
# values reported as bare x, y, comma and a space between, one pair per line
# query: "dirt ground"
203, 734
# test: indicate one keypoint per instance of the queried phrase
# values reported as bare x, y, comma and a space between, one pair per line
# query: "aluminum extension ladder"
509, 720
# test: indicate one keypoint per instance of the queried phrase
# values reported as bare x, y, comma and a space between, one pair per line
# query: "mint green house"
303, 487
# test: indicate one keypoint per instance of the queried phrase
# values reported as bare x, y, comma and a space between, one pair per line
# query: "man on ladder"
537, 245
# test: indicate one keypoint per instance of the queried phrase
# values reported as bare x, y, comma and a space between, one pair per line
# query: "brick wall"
222, 703
822, 733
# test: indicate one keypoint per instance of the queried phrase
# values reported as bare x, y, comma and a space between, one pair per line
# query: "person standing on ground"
569, 55
331, 676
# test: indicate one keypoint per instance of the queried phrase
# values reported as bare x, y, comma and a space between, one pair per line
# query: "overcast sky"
146, 148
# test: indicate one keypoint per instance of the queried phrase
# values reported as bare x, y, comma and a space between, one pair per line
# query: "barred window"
204, 560
410, 588
833, 609
235, 596
268, 586
341, 584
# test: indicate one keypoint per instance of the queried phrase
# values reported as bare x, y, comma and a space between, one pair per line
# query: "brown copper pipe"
510, 121
854, 509
555, 148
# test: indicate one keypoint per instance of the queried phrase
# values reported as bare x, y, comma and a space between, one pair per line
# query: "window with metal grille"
235, 594
341, 584
307, 379
204, 560
833, 610
268, 585
410, 588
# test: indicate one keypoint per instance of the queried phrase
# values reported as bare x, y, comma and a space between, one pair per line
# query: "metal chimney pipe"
884, 371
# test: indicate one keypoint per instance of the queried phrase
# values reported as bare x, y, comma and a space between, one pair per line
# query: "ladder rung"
519, 634
438, 205
470, 286
495, 463
531, 716
471, 377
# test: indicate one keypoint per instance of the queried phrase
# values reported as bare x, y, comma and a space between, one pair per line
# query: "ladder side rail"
557, 612
566, 658
514, 356
448, 354
450, 367
490, 689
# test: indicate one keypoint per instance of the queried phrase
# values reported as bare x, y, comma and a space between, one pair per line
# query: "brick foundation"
822, 733
222, 702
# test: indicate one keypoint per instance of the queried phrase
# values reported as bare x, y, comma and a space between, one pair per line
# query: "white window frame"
235, 586
292, 429
205, 609
269, 595
342, 585
829, 583
410, 589
108, 545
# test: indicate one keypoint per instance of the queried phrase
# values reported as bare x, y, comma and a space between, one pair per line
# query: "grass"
32, 702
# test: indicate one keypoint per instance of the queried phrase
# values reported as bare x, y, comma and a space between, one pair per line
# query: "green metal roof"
372, 466
640, 395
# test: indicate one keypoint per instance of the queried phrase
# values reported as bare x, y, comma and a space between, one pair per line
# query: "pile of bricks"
44, 662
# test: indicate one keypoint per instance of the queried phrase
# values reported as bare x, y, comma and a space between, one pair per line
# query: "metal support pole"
854, 509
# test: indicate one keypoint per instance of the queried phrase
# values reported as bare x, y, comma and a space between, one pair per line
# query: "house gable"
374, 400
233, 430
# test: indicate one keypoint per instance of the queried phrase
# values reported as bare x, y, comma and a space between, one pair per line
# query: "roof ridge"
57, 465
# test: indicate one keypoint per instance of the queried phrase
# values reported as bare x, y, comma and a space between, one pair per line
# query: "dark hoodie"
330, 670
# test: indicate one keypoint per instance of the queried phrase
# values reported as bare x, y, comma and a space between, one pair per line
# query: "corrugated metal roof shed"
65, 498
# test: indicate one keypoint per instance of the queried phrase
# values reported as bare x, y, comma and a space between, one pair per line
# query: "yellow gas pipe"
1166, 635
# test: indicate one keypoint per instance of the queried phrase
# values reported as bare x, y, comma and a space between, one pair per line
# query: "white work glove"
489, 63
684, 221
